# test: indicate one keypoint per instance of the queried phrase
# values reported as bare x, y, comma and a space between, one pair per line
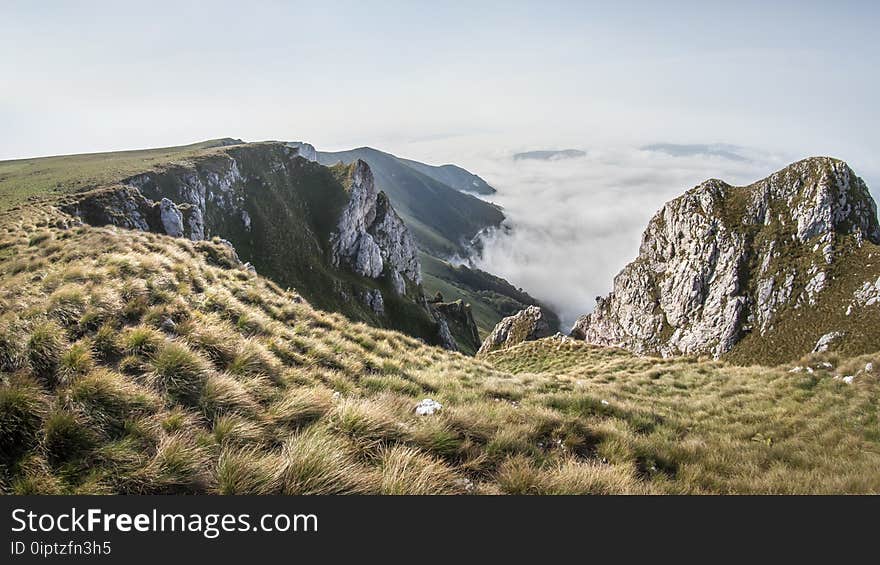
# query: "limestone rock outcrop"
212, 198
457, 328
720, 262
371, 238
302, 224
526, 325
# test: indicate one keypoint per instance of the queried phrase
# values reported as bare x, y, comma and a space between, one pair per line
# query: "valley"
239, 318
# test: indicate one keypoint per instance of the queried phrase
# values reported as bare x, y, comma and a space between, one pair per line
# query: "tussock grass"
223, 394
12, 347
75, 362
66, 438
369, 424
179, 466
299, 407
316, 462
232, 429
137, 363
406, 470
44, 349
178, 372
22, 409
108, 400
249, 471
141, 340
106, 343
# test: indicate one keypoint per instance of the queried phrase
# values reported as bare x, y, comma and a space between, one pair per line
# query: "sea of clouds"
573, 223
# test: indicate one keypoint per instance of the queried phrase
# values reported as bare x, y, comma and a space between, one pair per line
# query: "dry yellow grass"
136, 363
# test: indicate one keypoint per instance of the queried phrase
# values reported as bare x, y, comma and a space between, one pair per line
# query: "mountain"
133, 362
442, 218
444, 222
328, 232
299, 258
731, 152
549, 155
453, 176
760, 273
152, 361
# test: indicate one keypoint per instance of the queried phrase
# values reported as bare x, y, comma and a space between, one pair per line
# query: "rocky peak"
722, 261
370, 237
457, 328
526, 325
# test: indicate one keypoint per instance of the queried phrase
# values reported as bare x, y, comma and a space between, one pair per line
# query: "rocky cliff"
442, 219
458, 330
371, 238
300, 223
722, 265
526, 325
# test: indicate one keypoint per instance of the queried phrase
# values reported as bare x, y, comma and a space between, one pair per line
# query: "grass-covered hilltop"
135, 359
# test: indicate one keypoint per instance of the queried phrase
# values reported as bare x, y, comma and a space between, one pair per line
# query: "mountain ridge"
721, 262
442, 229
344, 247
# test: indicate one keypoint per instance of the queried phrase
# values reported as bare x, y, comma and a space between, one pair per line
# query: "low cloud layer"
574, 223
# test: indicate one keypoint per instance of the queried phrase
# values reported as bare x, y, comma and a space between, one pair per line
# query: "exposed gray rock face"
457, 319
444, 336
306, 150
866, 295
826, 341
370, 238
373, 299
721, 261
171, 217
175, 202
526, 325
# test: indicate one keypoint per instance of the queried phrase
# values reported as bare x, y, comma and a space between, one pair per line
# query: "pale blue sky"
798, 77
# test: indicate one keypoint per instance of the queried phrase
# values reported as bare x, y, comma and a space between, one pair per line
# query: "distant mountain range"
723, 150
454, 176
549, 155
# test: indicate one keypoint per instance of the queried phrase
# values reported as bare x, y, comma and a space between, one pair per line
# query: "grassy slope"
134, 362
23, 178
312, 196
453, 176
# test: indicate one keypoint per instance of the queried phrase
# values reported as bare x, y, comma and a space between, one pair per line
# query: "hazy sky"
470, 83
85, 76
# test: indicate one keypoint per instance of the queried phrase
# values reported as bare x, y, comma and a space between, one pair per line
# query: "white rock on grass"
427, 407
